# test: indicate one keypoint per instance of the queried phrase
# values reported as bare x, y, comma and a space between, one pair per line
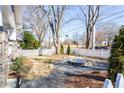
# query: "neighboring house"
104, 43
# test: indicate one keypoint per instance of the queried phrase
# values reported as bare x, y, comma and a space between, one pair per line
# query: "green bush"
116, 60
68, 50
36, 44
22, 44
29, 41
62, 49
17, 65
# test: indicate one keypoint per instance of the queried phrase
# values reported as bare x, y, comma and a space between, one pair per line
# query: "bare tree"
100, 37
106, 32
91, 16
35, 20
77, 39
55, 16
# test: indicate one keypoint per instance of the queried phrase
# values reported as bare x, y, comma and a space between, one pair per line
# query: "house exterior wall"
9, 22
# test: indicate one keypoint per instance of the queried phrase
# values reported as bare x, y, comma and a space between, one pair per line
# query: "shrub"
19, 68
22, 44
116, 60
62, 49
36, 44
68, 50
17, 65
29, 41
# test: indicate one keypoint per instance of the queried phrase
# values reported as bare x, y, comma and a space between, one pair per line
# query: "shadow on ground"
88, 76
53, 80
58, 77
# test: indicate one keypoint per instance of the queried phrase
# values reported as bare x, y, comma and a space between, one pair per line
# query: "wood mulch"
86, 79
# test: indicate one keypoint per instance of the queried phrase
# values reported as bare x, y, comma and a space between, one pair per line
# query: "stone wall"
8, 50
10, 21
3, 59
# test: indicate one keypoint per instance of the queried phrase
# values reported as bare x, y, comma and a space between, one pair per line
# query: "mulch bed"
86, 79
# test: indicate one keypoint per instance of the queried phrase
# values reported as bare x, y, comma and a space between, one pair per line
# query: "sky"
113, 14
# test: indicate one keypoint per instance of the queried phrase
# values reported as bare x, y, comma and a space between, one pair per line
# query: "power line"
74, 29
98, 20
119, 20
71, 31
116, 18
113, 8
79, 29
111, 15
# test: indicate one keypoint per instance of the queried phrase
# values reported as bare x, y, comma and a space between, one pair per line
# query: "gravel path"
56, 78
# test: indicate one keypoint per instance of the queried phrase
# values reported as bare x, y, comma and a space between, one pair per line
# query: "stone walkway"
55, 79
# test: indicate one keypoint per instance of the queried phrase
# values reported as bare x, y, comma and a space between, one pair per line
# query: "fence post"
102, 53
107, 84
119, 81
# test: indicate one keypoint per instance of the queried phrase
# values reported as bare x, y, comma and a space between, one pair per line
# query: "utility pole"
67, 39
94, 34
93, 39
49, 38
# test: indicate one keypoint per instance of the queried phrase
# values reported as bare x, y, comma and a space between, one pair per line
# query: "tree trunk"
58, 49
88, 37
87, 44
91, 17
57, 46
18, 80
87, 40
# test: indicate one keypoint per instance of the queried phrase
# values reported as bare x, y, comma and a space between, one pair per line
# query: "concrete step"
11, 83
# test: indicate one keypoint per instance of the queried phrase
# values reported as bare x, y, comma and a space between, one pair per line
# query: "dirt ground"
42, 67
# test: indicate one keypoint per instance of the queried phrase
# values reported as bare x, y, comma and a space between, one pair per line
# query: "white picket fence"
119, 83
36, 52
101, 53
